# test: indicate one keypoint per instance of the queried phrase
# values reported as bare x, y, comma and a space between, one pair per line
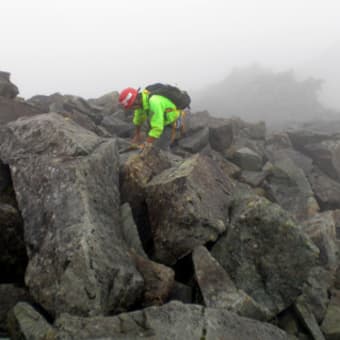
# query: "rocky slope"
232, 234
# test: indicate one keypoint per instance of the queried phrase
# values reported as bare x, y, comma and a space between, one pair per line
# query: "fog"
89, 48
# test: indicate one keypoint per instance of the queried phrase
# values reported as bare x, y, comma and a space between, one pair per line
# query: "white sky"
89, 47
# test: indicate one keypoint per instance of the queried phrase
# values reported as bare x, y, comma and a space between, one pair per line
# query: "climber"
163, 115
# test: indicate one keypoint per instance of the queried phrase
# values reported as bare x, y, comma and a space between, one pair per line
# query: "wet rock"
220, 134
135, 173
326, 189
196, 141
247, 159
289, 187
253, 178
66, 181
256, 252
130, 231
219, 291
117, 127
10, 295
11, 110
158, 281
230, 169
331, 323
171, 321
181, 292
308, 320
188, 206
26, 323
315, 291
7, 88
107, 103
321, 230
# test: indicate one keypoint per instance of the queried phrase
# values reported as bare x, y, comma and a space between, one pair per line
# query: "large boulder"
326, 155
326, 189
72, 105
220, 134
117, 127
323, 148
67, 185
288, 186
247, 159
188, 206
257, 252
7, 88
158, 279
11, 110
171, 321
219, 291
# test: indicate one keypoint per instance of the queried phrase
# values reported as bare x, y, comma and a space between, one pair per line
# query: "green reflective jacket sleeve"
162, 112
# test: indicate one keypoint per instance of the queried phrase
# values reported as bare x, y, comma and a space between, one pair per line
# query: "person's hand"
145, 147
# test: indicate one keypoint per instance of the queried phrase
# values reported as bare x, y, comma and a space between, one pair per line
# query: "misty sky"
89, 48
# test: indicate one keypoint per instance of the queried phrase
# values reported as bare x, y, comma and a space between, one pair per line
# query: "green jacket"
159, 110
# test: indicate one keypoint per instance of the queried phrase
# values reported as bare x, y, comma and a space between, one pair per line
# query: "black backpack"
180, 98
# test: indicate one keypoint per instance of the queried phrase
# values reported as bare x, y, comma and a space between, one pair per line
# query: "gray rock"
308, 320
302, 137
181, 292
26, 323
219, 291
331, 323
130, 231
315, 291
188, 206
158, 281
289, 187
253, 178
196, 141
135, 173
171, 321
247, 159
66, 181
321, 230
257, 252
326, 189
230, 169
107, 103
11, 110
7, 88
10, 295
220, 134
326, 156
196, 121
117, 127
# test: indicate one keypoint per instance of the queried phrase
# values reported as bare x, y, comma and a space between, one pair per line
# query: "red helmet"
127, 97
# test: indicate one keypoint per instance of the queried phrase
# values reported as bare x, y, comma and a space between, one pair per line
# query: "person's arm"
156, 120
137, 138
139, 117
